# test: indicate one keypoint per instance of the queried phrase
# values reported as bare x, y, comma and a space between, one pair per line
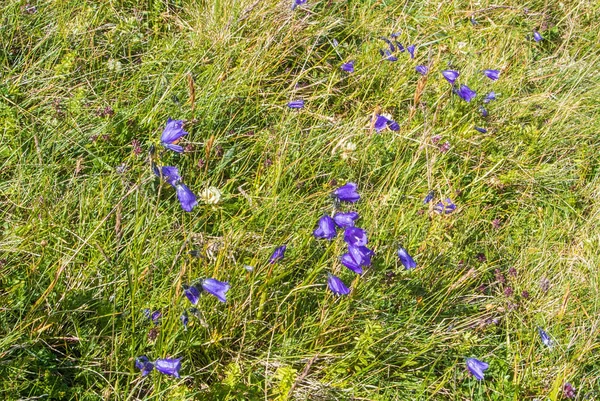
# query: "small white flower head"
347, 149
211, 196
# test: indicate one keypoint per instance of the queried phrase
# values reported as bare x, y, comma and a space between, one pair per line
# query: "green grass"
90, 237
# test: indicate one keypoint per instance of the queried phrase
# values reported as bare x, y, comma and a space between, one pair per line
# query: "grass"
90, 237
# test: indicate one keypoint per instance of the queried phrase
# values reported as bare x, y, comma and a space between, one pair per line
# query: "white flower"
347, 149
211, 196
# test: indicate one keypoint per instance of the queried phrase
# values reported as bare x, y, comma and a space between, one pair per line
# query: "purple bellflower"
144, 365
422, 69
408, 262
477, 367
296, 104
382, 121
545, 338
483, 111
451, 75
325, 229
399, 46
344, 220
536, 36
216, 288
192, 293
489, 97
389, 43
429, 197
184, 319
155, 317
348, 67
168, 366
347, 193
492, 74
480, 129
465, 93
446, 206
387, 55
337, 286
355, 236
411, 50
356, 258
186, 197
278, 254
169, 173
172, 134
296, 3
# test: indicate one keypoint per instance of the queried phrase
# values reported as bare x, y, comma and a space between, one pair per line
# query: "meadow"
97, 254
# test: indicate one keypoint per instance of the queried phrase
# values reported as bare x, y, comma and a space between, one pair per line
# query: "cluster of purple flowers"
167, 366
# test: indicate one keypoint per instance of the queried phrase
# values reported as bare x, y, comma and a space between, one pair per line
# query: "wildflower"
278, 254
492, 74
474, 21
512, 271
172, 134
411, 50
216, 288
296, 104
336, 285
155, 317
296, 3
355, 236
436, 139
344, 220
422, 69
406, 259
446, 206
477, 367
525, 294
444, 147
348, 67
429, 197
186, 197
465, 93
483, 111
144, 365
399, 46
482, 130
325, 229
168, 366
335, 43
489, 97
544, 284
347, 149
382, 121
569, 391
450, 75
192, 293
536, 36
496, 223
347, 193
169, 173
508, 291
388, 55
184, 319
389, 43
356, 258
211, 195
249, 268
545, 338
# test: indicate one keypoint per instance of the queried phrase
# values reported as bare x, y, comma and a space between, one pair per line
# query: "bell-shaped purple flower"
492, 74
356, 258
169, 173
348, 67
355, 236
451, 75
168, 366
172, 134
144, 365
411, 50
387, 55
192, 293
446, 206
337, 286
489, 97
389, 42
347, 193
483, 111
477, 367
296, 3
296, 104
465, 93
536, 36
382, 121
480, 129
345, 219
429, 197
186, 197
216, 288
406, 260
422, 69
278, 254
325, 229
184, 319
545, 338
155, 317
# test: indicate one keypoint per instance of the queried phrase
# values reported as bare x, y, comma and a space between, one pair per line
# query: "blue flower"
355, 236
337, 286
216, 288
348, 67
278, 254
492, 74
422, 69
184, 319
155, 317
406, 259
192, 293
477, 367
445, 207
450, 75
325, 229
465, 93
168, 366
536, 36
545, 338
387, 55
344, 220
296, 3
429, 197
143, 364
356, 258
389, 42
347, 193
186, 197
483, 111
411, 50
172, 134
169, 173
382, 121
296, 104
480, 129
489, 97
